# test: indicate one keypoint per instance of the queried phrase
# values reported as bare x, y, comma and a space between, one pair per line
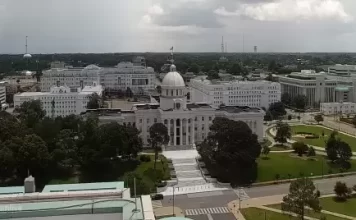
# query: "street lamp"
173, 201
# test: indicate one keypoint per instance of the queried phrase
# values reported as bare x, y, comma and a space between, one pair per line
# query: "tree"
344, 151
277, 110
286, 99
289, 117
272, 66
230, 151
354, 121
129, 92
302, 194
300, 148
318, 118
300, 102
142, 184
265, 150
158, 137
213, 75
268, 116
65, 152
269, 77
331, 147
235, 69
341, 190
311, 152
32, 156
194, 68
159, 89
30, 112
7, 162
283, 132
94, 101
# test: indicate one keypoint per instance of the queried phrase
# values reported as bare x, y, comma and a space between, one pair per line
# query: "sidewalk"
280, 211
168, 211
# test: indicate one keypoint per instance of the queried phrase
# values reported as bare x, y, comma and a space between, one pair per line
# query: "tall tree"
194, 68
300, 102
235, 69
344, 152
318, 118
30, 112
283, 132
286, 99
230, 151
94, 101
277, 110
302, 194
331, 146
158, 137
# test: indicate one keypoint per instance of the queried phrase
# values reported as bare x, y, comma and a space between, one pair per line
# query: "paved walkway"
190, 179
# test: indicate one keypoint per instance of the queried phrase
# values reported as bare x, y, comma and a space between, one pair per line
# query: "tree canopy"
230, 151
283, 132
277, 110
302, 194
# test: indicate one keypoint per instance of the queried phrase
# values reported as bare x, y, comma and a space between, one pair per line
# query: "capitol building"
187, 123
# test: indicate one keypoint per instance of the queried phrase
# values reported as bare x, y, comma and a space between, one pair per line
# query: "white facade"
336, 108
319, 87
60, 101
235, 93
2, 93
135, 76
187, 123
342, 70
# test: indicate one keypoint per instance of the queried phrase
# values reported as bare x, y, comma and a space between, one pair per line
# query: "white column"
181, 131
175, 129
186, 132
169, 131
192, 131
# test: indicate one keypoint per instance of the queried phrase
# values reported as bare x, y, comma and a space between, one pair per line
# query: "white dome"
27, 55
92, 67
173, 79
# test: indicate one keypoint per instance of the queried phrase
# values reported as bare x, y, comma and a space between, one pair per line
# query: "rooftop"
84, 187
238, 109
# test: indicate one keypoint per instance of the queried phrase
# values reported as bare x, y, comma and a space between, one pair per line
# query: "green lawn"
311, 213
261, 214
320, 142
346, 208
162, 165
283, 164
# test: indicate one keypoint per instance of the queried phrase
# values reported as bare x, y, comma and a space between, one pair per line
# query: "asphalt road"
221, 198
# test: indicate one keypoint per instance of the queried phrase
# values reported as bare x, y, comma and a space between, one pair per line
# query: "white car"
4, 106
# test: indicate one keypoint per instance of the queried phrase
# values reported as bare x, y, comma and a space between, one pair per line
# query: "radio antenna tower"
222, 45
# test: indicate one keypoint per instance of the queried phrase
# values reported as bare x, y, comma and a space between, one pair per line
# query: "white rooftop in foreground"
181, 154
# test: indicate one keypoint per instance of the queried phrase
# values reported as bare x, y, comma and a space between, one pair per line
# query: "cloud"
290, 10
155, 10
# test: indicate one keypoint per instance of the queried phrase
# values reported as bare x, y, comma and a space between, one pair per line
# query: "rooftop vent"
30, 186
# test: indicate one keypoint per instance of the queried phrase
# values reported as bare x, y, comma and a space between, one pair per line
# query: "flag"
171, 48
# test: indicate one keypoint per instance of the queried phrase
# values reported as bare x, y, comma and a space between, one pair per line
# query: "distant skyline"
109, 26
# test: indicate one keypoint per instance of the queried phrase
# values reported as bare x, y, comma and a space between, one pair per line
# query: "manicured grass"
162, 165
347, 208
279, 147
292, 167
310, 213
320, 142
260, 214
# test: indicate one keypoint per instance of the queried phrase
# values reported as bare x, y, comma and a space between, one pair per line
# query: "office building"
2, 94
134, 75
337, 108
319, 87
256, 94
61, 100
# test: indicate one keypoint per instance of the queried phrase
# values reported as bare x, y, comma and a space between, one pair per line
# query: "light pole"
173, 201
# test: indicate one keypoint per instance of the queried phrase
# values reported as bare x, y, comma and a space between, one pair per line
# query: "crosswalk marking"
204, 211
241, 194
157, 204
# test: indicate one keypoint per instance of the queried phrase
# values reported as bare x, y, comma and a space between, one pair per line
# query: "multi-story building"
61, 100
2, 94
336, 108
135, 76
90, 201
319, 87
231, 93
187, 123
342, 70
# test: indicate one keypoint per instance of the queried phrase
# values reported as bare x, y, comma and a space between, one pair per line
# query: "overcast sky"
59, 26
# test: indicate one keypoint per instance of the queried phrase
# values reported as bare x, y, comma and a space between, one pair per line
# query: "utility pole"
173, 201
135, 195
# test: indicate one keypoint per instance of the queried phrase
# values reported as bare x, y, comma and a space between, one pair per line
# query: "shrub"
354, 188
341, 190
145, 158
318, 193
311, 152
300, 148
289, 117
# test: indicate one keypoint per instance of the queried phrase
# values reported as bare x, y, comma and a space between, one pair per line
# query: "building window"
155, 120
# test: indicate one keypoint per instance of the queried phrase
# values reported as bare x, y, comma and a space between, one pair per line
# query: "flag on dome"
171, 48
